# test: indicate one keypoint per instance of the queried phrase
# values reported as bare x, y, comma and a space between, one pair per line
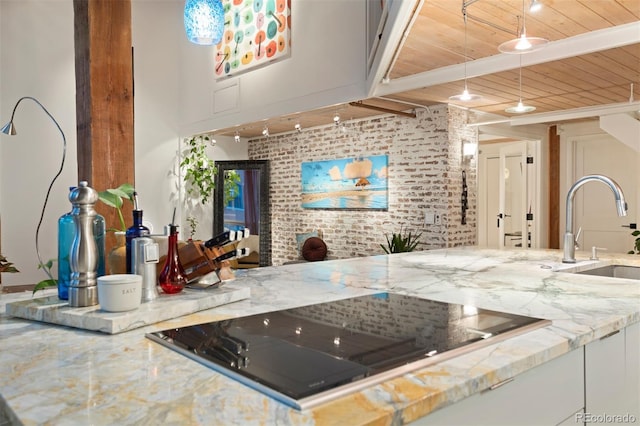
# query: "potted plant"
401, 242
193, 224
636, 243
6, 266
199, 170
200, 179
114, 197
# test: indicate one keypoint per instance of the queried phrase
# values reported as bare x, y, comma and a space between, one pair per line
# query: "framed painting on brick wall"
348, 183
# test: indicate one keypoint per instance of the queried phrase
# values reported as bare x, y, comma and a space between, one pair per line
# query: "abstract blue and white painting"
349, 183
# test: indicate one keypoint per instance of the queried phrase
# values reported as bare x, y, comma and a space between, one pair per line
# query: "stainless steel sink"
615, 271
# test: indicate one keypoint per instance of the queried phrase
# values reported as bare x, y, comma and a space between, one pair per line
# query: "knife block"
197, 261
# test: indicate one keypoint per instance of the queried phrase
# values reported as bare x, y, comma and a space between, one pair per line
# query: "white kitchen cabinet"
612, 377
546, 395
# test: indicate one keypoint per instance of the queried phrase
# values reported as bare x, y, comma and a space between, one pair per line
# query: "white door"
594, 206
502, 195
512, 230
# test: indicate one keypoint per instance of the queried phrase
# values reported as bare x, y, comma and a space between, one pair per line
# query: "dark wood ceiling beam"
360, 104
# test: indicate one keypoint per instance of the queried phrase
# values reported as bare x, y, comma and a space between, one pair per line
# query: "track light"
265, 131
298, 127
236, 137
336, 119
535, 6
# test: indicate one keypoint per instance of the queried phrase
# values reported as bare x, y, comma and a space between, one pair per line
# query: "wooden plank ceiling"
437, 39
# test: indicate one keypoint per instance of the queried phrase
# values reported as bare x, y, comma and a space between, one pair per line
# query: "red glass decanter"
172, 279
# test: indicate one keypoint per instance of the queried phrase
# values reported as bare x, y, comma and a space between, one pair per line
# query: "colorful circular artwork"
256, 33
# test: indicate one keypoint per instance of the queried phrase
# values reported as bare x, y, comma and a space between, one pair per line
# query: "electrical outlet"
429, 218
438, 220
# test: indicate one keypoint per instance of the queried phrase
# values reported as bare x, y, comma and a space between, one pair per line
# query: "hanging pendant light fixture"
523, 44
204, 21
465, 96
520, 108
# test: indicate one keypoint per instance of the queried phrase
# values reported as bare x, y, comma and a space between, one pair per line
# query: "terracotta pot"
117, 259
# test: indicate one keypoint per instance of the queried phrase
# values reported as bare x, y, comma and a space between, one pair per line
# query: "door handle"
631, 226
500, 216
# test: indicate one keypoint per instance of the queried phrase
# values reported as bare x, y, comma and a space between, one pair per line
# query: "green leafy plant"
48, 282
114, 197
6, 266
636, 243
193, 224
200, 170
401, 242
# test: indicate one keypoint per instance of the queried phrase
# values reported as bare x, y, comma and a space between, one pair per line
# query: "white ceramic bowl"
119, 292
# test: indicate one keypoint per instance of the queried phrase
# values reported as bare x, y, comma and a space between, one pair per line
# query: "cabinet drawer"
547, 394
612, 367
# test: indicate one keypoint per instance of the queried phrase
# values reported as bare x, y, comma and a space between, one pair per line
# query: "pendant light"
523, 44
204, 21
465, 96
520, 108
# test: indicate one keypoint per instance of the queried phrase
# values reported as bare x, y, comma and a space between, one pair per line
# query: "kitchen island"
57, 375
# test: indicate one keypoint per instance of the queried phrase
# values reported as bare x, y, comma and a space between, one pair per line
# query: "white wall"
36, 59
327, 66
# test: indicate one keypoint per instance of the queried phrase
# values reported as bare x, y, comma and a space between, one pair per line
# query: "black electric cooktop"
308, 355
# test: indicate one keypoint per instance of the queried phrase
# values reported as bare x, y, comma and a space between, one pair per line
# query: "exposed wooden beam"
554, 188
104, 97
360, 104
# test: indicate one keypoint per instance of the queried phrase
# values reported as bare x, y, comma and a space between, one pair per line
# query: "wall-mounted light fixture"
298, 127
469, 149
204, 21
336, 119
236, 137
265, 131
9, 129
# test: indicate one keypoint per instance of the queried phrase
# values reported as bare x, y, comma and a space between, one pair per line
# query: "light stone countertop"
57, 375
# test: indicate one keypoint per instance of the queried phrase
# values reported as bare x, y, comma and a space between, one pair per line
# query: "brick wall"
425, 167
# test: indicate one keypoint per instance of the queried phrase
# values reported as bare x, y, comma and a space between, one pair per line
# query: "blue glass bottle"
136, 230
66, 233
